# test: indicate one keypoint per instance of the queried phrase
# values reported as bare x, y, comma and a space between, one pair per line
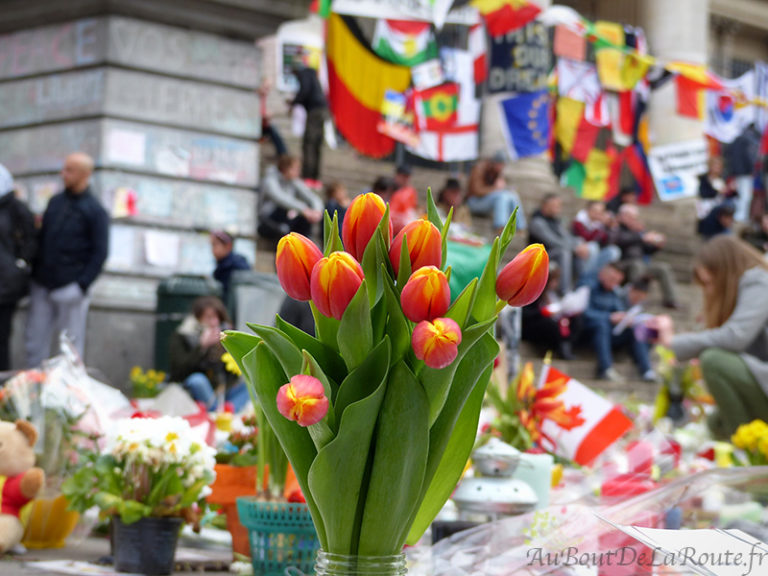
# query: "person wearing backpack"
17, 248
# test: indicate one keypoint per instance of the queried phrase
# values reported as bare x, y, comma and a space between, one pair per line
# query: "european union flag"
525, 120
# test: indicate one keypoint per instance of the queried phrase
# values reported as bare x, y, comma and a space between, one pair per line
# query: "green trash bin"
174, 301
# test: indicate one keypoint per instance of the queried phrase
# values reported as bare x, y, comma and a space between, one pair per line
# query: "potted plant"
378, 413
150, 479
236, 477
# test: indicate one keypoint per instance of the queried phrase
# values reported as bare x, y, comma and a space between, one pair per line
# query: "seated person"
195, 357
733, 349
637, 245
718, 221
288, 205
489, 193
575, 258
592, 223
757, 235
336, 200
227, 260
545, 326
625, 196
711, 187
606, 309
384, 186
451, 196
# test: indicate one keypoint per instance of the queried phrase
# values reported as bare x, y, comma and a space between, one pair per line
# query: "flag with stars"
525, 122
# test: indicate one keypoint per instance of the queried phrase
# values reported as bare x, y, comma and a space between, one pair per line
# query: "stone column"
676, 31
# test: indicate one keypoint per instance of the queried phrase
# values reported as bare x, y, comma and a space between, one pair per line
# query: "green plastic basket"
281, 534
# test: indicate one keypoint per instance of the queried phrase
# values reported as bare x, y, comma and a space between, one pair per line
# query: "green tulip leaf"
473, 372
355, 335
328, 358
375, 255
339, 475
325, 328
332, 240
398, 327
266, 375
433, 215
508, 233
404, 271
439, 383
444, 237
282, 347
402, 445
484, 306
452, 464
459, 310
312, 368
379, 315
362, 381
238, 344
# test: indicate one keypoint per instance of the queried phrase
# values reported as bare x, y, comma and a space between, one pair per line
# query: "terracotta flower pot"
231, 483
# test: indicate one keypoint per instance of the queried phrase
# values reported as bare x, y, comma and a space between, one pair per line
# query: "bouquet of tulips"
378, 413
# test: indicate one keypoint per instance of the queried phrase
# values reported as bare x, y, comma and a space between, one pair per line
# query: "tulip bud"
426, 295
360, 221
523, 280
295, 258
425, 245
303, 400
335, 281
437, 342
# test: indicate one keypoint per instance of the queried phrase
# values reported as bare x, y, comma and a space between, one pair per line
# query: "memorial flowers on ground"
378, 413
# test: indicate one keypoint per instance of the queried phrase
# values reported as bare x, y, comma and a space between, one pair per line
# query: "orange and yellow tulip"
295, 258
437, 342
363, 216
335, 281
425, 245
303, 400
523, 280
426, 295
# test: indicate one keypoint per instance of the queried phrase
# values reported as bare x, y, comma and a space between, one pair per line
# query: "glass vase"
342, 565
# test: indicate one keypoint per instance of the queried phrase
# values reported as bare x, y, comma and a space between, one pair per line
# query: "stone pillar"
676, 30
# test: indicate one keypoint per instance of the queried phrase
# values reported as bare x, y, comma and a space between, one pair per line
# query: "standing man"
73, 248
312, 98
17, 248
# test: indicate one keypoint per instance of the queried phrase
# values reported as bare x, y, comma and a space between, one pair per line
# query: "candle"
536, 471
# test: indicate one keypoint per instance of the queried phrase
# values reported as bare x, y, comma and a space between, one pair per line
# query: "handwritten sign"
676, 167
520, 60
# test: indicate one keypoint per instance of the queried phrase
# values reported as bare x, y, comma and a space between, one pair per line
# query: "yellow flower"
135, 372
230, 364
171, 437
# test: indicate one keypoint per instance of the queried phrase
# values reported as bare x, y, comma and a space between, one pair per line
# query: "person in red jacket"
592, 223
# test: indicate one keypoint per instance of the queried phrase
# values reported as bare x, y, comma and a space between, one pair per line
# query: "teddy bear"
20, 481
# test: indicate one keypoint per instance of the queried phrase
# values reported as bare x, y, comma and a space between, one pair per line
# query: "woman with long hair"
733, 349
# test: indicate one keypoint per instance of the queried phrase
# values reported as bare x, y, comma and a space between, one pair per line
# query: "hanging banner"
520, 60
435, 11
396, 121
676, 168
298, 42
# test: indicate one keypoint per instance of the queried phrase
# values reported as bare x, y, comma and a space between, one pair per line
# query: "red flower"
437, 342
295, 258
335, 281
426, 295
303, 400
425, 245
360, 222
523, 280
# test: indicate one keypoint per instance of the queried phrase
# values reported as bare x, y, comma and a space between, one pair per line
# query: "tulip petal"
436, 343
303, 400
335, 281
523, 280
426, 295
360, 222
425, 245
295, 258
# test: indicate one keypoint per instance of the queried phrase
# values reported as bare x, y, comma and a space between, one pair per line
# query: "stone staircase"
675, 220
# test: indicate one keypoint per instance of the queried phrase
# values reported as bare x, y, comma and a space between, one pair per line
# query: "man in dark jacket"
312, 98
605, 311
17, 248
227, 260
73, 248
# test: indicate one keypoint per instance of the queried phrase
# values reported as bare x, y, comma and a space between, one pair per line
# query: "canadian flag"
604, 422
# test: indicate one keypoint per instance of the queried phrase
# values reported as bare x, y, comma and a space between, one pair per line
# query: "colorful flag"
585, 139
761, 95
321, 7
604, 422
569, 43
578, 80
634, 158
478, 48
690, 98
437, 107
502, 16
728, 112
357, 82
568, 117
397, 121
404, 42
621, 106
696, 75
525, 123
634, 68
457, 143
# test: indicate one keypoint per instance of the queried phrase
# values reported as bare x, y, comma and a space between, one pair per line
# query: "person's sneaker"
650, 376
612, 375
